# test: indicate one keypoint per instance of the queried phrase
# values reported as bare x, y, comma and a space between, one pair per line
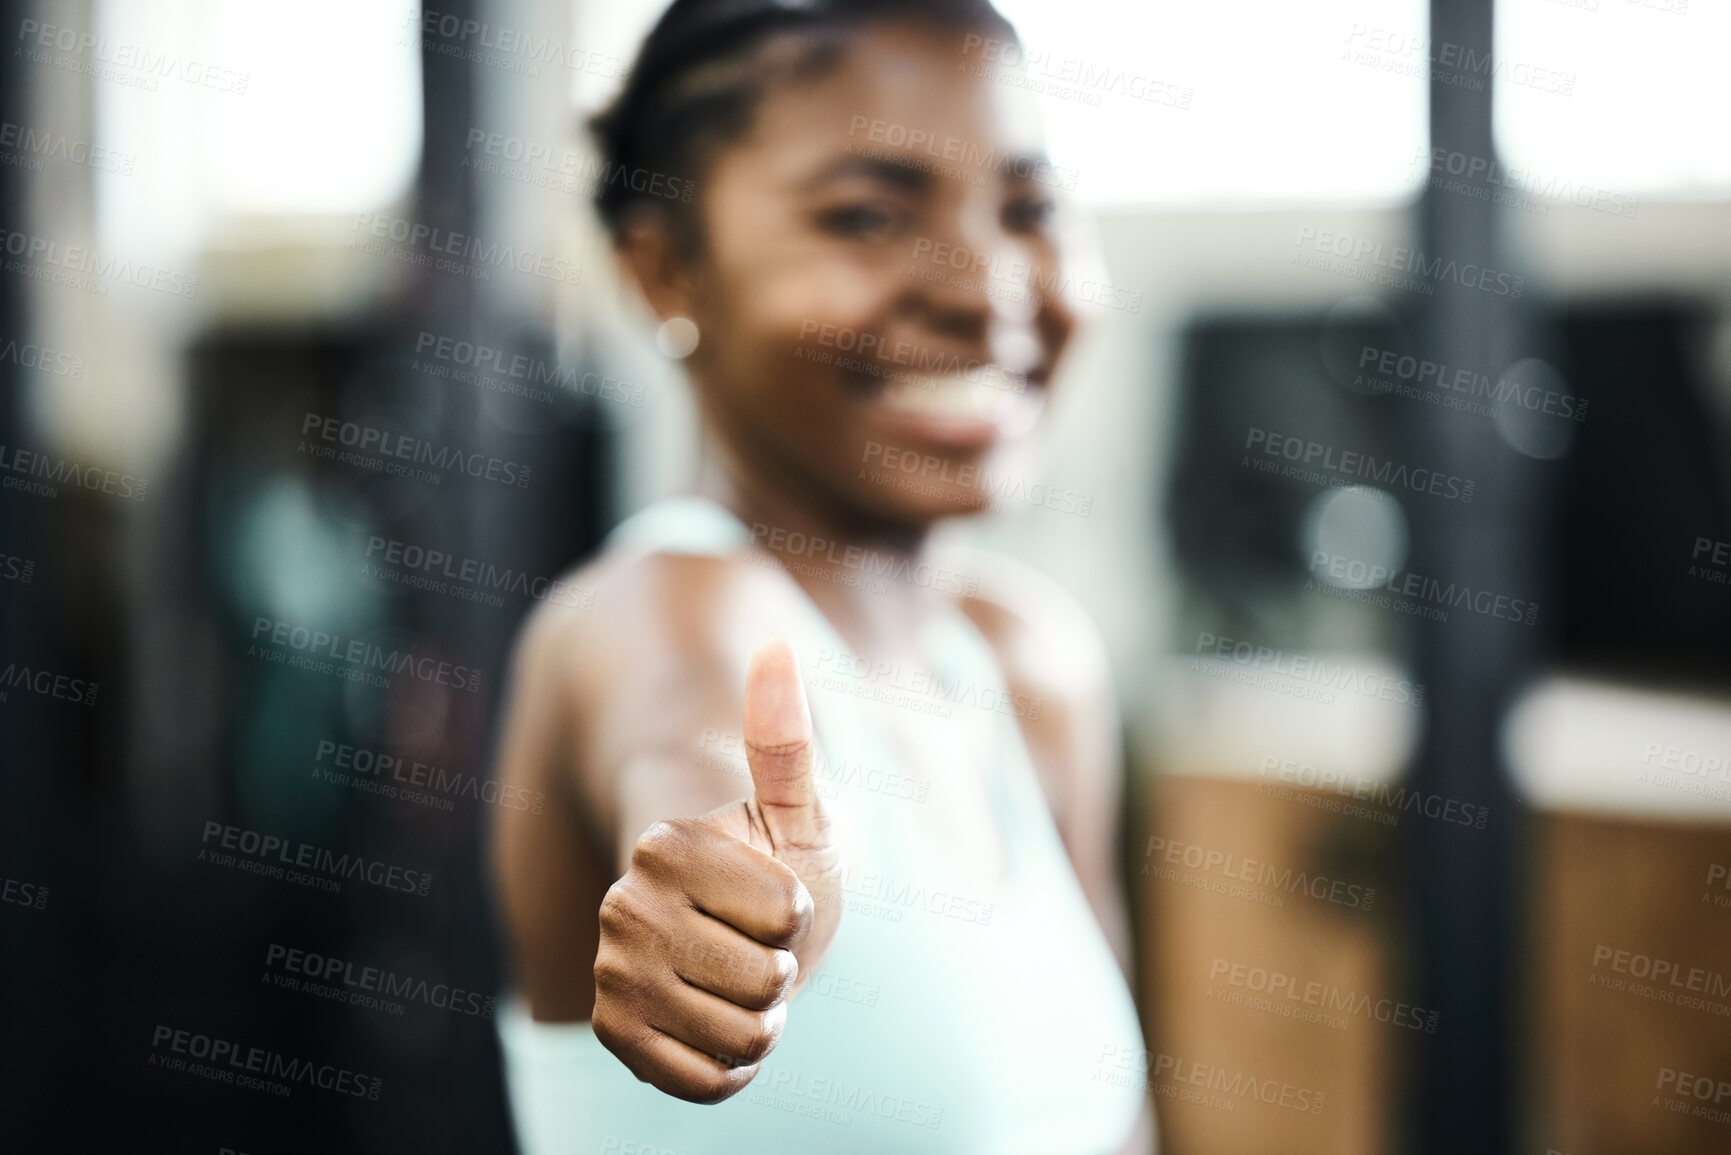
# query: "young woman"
827, 865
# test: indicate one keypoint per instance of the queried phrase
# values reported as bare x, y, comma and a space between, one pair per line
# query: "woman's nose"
978, 293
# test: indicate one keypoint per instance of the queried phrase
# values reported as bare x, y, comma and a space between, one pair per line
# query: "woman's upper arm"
544, 867
618, 718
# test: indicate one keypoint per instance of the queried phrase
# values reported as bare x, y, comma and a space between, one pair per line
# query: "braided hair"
700, 75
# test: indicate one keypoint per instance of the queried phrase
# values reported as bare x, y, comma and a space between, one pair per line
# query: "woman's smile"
963, 413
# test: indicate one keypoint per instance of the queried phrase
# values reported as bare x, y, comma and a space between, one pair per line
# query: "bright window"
1647, 111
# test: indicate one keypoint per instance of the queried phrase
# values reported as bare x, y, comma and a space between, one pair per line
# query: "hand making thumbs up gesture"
704, 939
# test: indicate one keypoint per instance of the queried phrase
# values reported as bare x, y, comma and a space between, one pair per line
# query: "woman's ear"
652, 257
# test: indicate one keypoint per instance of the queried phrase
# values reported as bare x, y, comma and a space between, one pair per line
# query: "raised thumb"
780, 748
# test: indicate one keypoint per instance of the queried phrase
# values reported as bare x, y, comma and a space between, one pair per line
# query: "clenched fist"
704, 938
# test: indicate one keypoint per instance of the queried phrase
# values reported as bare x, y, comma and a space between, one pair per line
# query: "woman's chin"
907, 500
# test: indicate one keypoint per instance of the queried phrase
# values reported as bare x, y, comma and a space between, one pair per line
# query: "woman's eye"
860, 222
1029, 215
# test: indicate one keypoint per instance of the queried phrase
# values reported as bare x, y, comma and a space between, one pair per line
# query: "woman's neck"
862, 572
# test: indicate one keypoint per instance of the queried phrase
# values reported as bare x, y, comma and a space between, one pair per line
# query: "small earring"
676, 337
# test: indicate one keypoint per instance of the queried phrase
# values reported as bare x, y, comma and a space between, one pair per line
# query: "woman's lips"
957, 412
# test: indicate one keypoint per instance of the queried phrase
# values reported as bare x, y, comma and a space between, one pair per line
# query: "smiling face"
866, 283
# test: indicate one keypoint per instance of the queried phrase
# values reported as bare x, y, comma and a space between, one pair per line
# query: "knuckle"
790, 749
712, 1087
793, 912
768, 976
612, 915
757, 1045
613, 974
659, 847
783, 972
622, 915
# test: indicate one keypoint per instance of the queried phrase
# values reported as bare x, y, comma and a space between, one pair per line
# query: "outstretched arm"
673, 904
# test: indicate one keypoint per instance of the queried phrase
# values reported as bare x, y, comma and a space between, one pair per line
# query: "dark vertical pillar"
30, 944
1466, 884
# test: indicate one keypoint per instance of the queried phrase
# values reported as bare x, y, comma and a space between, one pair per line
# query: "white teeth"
943, 397
1017, 347
958, 398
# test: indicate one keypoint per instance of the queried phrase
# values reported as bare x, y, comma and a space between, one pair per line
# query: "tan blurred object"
1598, 1052
1190, 931
1629, 978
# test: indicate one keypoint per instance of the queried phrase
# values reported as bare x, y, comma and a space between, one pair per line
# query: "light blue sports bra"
959, 1010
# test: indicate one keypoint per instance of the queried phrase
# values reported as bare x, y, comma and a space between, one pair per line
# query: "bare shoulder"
661, 615
1051, 653
650, 656
1042, 635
